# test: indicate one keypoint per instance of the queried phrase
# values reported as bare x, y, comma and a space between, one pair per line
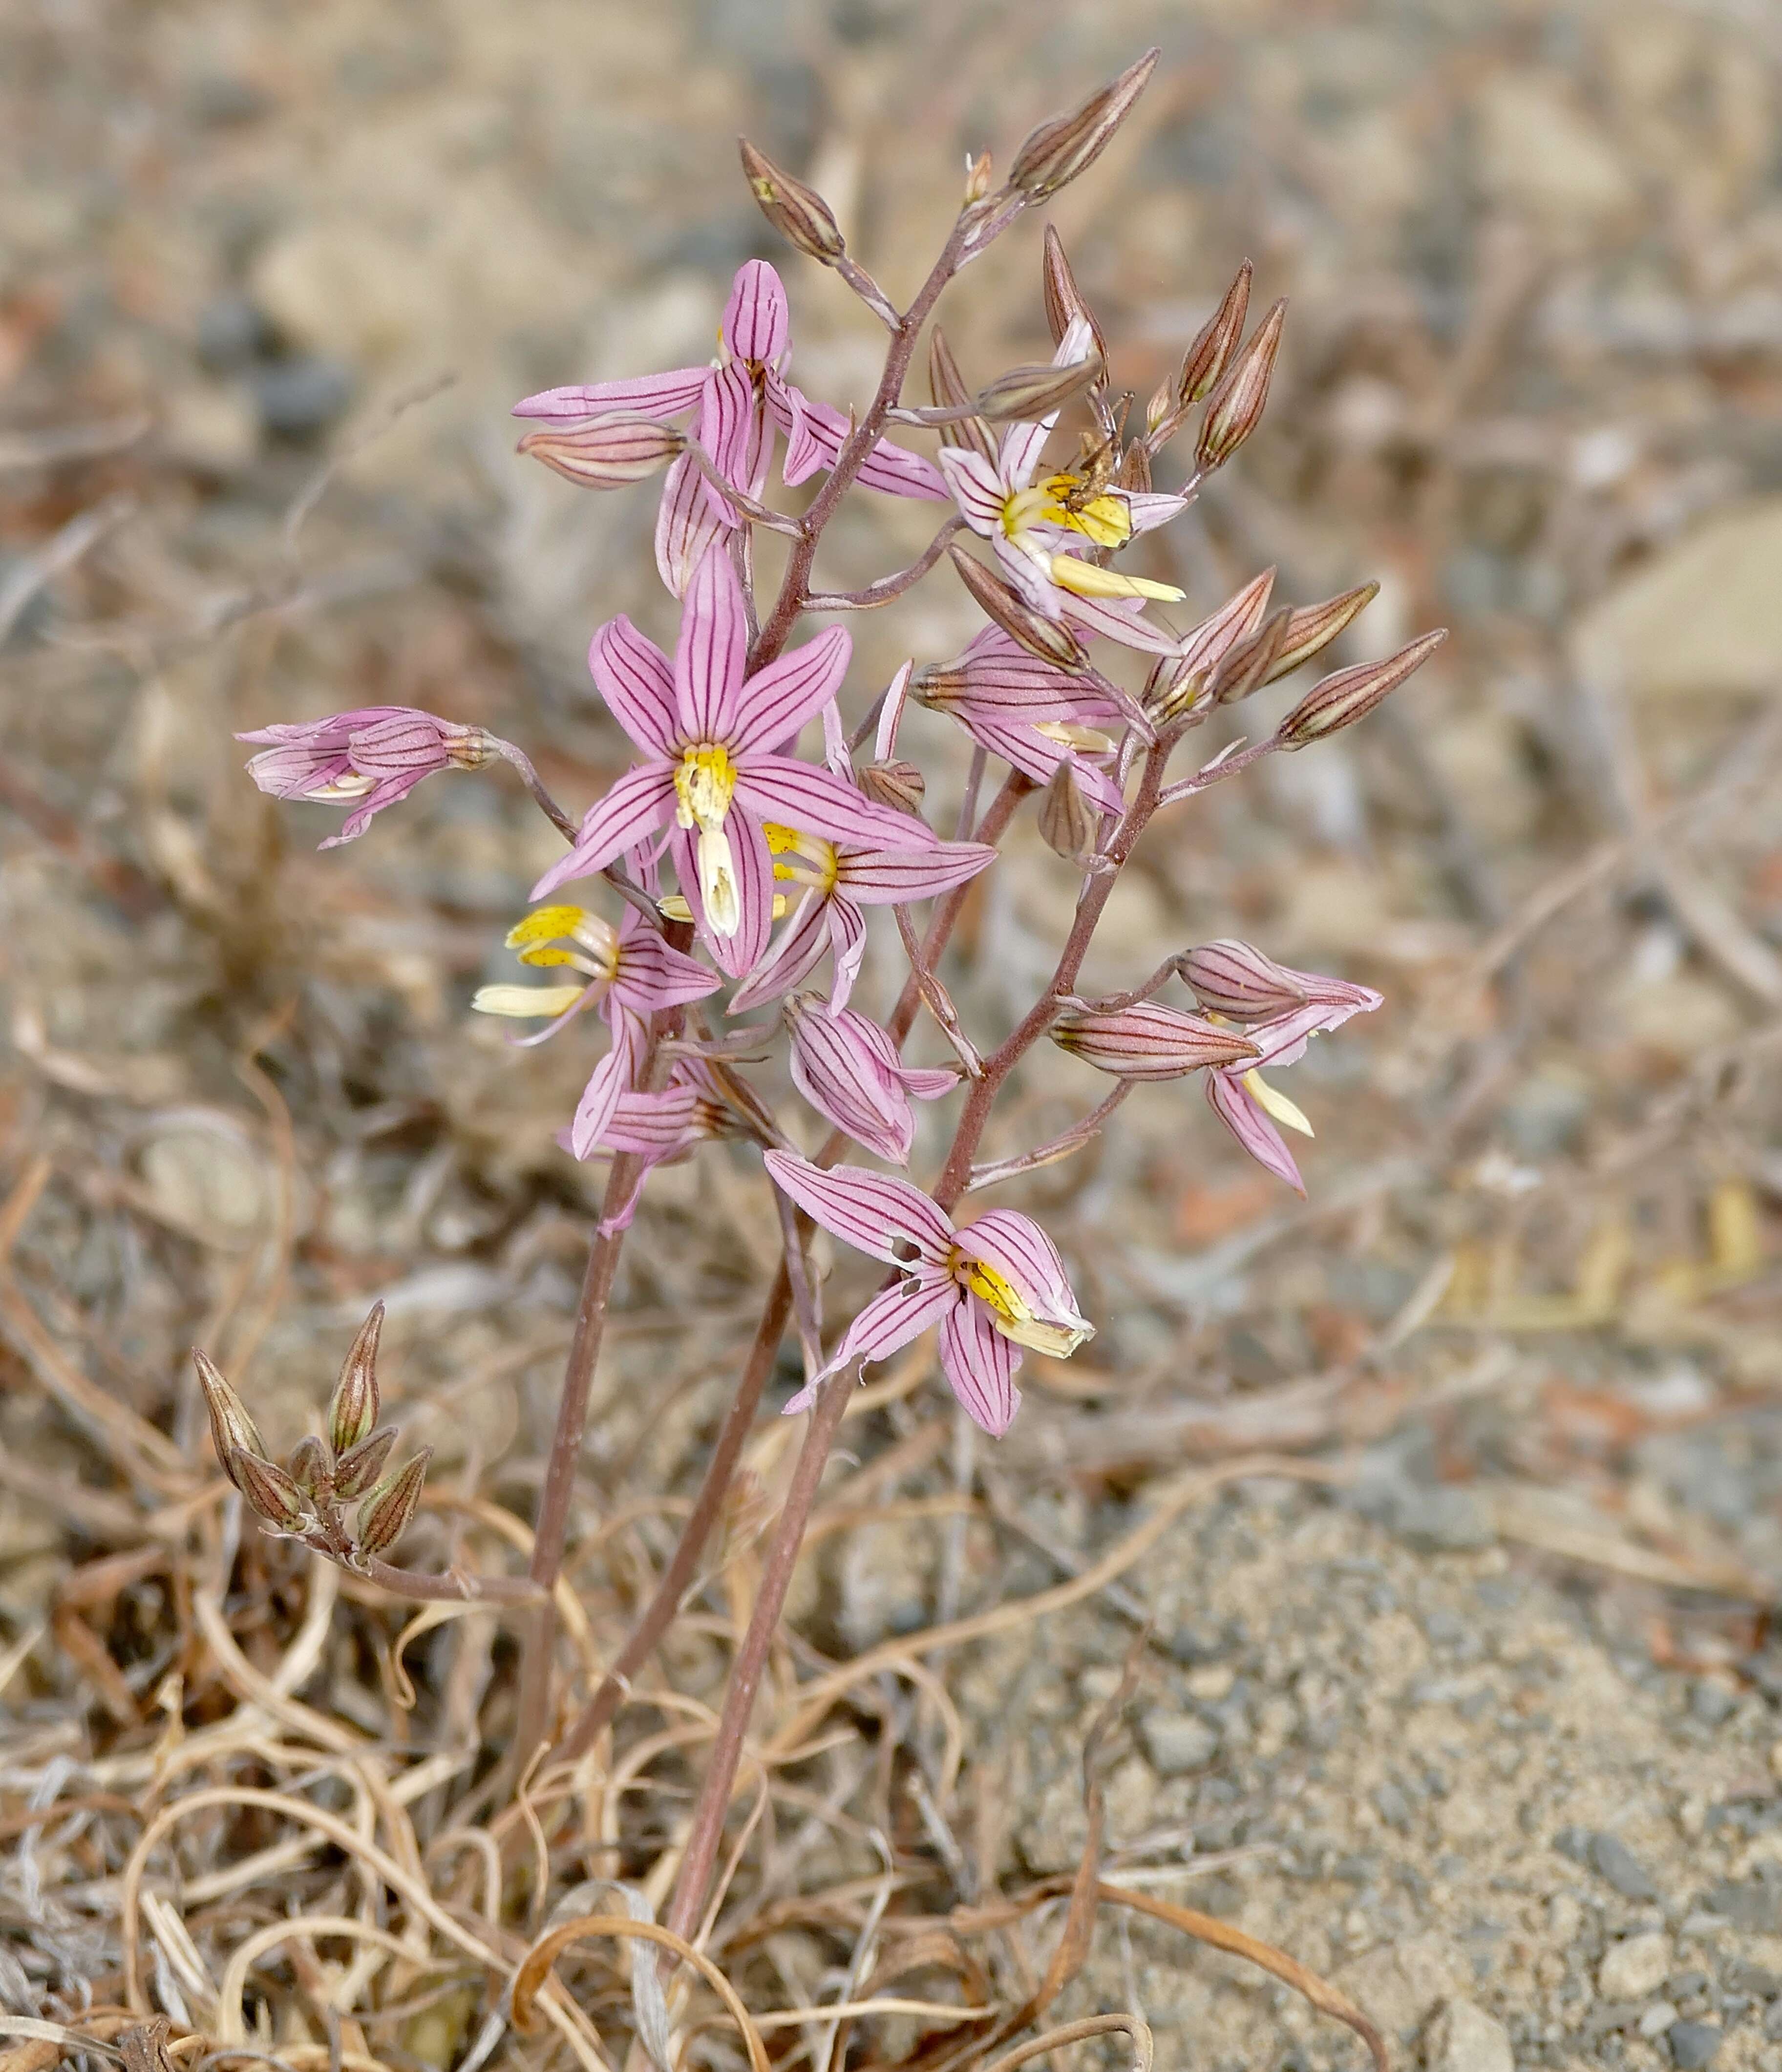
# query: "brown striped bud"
352, 1411
1068, 824
274, 1494
1050, 639
1250, 664
1314, 626
357, 1470
897, 785
311, 1467
947, 386
977, 178
1147, 1042
1235, 407
1064, 302
1057, 151
799, 213
231, 1429
387, 1513
1235, 980
1340, 700
1206, 360
609, 452
1177, 682
1026, 394
1134, 471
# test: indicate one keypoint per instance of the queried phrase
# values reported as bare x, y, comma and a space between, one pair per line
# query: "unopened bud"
947, 386
799, 213
1340, 700
1235, 407
386, 1514
895, 783
352, 1411
1065, 303
1057, 151
1206, 360
1177, 682
358, 1469
1135, 471
1314, 626
1161, 407
609, 452
977, 178
1147, 1042
274, 1494
231, 1429
311, 1466
1050, 639
1068, 824
1250, 664
1026, 394
1235, 980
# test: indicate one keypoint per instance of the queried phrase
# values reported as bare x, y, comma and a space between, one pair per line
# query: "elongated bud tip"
275, 1495
353, 1411
1214, 344
799, 213
388, 1512
608, 453
1050, 639
895, 783
1339, 700
358, 1469
977, 178
1236, 406
311, 1468
1057, 151
1025, 394
231, 1429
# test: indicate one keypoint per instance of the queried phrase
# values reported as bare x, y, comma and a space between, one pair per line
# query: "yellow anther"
1084, 579
1012, 1316
1273, 1102
527, 1001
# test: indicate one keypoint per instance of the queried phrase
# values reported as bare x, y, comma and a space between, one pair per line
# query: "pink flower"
840, 879
1023, 709
708, 734
1238, 980
374, 755
631, 973
1038, 531
993, 1287
738, 402
848, 1069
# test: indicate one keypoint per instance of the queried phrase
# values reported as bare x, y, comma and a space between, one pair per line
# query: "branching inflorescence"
755, 834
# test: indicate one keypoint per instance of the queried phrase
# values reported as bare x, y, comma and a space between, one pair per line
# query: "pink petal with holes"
876, 1214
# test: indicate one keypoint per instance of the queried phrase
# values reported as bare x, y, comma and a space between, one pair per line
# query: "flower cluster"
1058, 551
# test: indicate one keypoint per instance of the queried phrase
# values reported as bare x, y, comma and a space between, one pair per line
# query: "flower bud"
1177, 681
1057, 151
1050, 639
977, 178
1134, 471
1147, 1042
274, 1494
799, 213
311, 1467
947, 386
386, 1514
1064, 302
1314, 626
608, 453
1068, 824
352, 1412
358, 1468
1026, 394
1340, 700
1250, 664
1205, 360
1235, 407
1234, 979
898, 784
231, 1429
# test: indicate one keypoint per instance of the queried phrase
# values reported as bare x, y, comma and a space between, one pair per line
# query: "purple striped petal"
848, 939
1021, 1251
732, 432
875, 1213
1031, 578
1036, 756
653, 1125
735, 955
1119, 619
1020, 452
1282, 1041
1252, 1128
685, 525
614, 1075
775, 701
801, 943
924, 1082
980, 1365
655, 395
366, 809
789, 410
890, 1320
635, 807
651, 974
1147, 511
893, 469
977, 488
756, 322
846, 1077
635, 680
797, 795
710, 653
895, 876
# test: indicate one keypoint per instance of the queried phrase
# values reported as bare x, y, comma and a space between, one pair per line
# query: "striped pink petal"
875, 1213
655, 395
980, 1365
801, 943
893, 469
977, 488
613, 1076
634, 808
1147, 510
1037, 756
366, 809
737, 955
709, 656
890, 1320
1246, 1121
756, 321
732, 430
1119, 619
686, 524
789, 410
798, 794
775, 701
1019, 1250
848, 939
636, 680
651, 974
895, 876
850, 1079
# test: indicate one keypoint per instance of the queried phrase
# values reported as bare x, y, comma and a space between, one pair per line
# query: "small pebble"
300, 397
1631, 1969
1712, 1703
1464, 2038
1177, 1742
1623, 1870
1692, 2044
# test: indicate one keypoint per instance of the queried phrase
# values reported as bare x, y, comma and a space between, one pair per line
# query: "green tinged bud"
388, 1512
1050, 639
799, 213
1206, 359
1235, 408
897, 785
352, 1412
274, 1494
1068, 824
1339, 700
311, 1467
358, 1468
1057, 151
1025, 394
231, 1429
947, 386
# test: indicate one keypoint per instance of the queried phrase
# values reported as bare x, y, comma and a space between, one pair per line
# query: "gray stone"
1464, 2038
1177, 1742
1712, 1702
1623, 1870
231, 332
300, 397
1631, 1969
1692, 2044
1394, 1808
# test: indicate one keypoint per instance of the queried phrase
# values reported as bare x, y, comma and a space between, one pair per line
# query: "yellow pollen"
1106, 520
799, 858
704, 785
1011, 1316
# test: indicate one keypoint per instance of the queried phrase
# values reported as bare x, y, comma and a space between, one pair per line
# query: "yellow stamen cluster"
542, 940
705, 783
1012, 1316
799, 858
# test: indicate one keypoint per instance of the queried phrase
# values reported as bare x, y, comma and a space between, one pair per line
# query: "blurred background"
270, 279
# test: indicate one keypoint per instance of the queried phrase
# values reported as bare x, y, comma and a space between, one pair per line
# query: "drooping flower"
1240, 982
738, 403
1023, 709
629, 972
993, 1287
848, 1069
1039, 531
708, 735
371, 756
839, 879
658, 1127
1148, 1041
